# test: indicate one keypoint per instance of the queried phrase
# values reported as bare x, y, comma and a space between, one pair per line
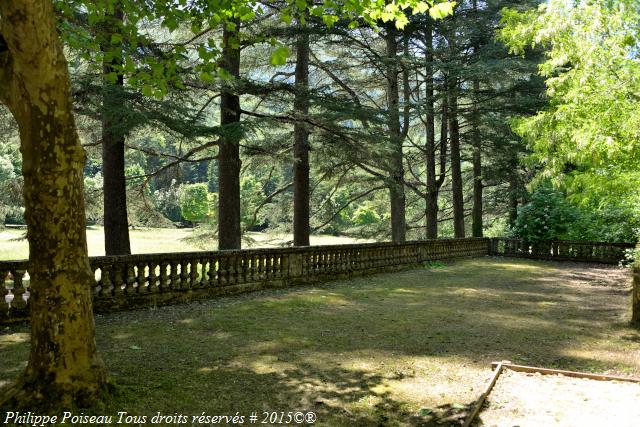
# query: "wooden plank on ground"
476, 408
547, 371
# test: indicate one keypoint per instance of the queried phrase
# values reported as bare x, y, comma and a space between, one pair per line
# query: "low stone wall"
136, 281
563, 250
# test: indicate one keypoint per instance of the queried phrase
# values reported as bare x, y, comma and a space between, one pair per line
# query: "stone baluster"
223, 266
105, 281
163, 282
214, 271
175, 274
283, 266
232, 270
260, 267
19, 289
97, 289
118, 280
272, 260
184, 274
203, 280
153, 277
4, 291
251, 268
275, 266
141, 278
131, 288
193, 280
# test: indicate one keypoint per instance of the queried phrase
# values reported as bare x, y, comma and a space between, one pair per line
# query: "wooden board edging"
574, 374
476, 407
498, 367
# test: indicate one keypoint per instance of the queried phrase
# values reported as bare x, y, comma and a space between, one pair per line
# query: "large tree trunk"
396, 167
64, 368
456, 169
301, 144
116, 224
229, 232
431, 210
476, 215
476, 142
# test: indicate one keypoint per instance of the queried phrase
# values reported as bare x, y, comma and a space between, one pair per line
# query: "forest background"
498, 118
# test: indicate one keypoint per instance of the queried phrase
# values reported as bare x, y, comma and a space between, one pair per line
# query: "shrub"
194, 202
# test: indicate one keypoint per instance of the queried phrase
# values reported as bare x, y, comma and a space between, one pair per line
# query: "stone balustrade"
136, 281
151, 280
562, 250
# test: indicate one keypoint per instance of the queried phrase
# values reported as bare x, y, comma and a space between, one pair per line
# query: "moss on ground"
396, 349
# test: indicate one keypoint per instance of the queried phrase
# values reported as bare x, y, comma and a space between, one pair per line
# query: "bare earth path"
533, 400
409, 348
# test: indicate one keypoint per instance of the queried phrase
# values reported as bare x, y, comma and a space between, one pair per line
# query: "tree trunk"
456, 170
396, 176
444, 136
229, 232
476, 142
301, 143
513, 199
116, 224
476, 225
431, 210
635, 297
64, 368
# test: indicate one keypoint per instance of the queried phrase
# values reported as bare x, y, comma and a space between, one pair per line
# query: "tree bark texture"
476, 142
635, 297
396, 167
301, 143
229, 231
116, 223
476, 215
431, 210
64, 368
456, 168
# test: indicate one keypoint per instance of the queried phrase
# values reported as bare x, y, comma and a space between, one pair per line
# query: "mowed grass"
409, 348
13, 245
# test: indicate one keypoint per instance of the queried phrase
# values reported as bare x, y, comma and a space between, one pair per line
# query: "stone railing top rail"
573, 242
250, 251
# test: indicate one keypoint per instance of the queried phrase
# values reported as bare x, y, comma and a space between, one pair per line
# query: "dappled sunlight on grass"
10, 339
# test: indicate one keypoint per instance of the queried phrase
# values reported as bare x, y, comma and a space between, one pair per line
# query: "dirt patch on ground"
534, 400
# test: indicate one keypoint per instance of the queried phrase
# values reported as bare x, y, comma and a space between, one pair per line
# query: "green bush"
547, 216
365, 215
194, 202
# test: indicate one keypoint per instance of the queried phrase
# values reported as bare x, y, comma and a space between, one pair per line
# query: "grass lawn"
13, 246
394, 349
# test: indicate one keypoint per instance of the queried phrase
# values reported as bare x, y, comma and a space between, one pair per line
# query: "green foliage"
365, 214
93, 198
279, 55
251, 196
11, 201
547, 216
167, 201
592, 78
586, 140
194, 202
